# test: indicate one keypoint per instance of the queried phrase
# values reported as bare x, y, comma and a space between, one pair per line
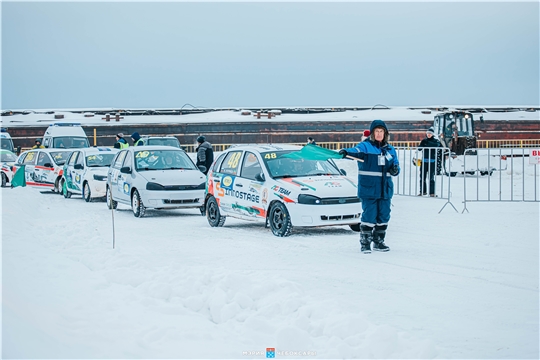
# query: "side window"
80, 159
217, 164
231, 163
30, 158
72, 158
127, 160
119, 159
251, 166
43, 158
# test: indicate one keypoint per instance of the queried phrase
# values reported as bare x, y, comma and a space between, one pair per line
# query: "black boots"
378, 238
366, 237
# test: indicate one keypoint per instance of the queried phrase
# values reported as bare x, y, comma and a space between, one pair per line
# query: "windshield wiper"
148, 169
286, 176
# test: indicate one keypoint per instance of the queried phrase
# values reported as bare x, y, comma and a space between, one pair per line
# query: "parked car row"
251, 182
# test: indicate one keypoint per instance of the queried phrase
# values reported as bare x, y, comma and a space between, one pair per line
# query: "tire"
111, 204
213, 215
65, 191
202, 209
86, 192
4, 180
355, 227
58, 186
280, 221
136, 204
453, 174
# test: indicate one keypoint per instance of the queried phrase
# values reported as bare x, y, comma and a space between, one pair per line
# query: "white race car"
258, 182
85, 172
159, 177
7, 159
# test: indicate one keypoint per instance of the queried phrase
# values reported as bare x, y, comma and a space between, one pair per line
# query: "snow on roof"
164, 116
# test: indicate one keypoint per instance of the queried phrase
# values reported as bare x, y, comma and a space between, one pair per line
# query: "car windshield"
6, 156
60, 157
70, 142
162, 160
164, 142
99, 160
280, 167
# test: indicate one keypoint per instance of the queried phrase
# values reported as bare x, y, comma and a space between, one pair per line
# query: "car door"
29, 162
70, 172
249, 188
225, 187
114, 175
44, 169
125, 181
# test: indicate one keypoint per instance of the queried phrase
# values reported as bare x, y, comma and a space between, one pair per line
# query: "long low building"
272, 125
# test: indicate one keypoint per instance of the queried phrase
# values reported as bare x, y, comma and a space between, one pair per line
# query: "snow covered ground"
453, 285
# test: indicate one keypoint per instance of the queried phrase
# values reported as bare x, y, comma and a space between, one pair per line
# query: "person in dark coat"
205, 153
311, 141
136, 139
378, 163
428, 146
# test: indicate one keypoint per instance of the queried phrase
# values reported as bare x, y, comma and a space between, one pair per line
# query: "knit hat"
377, 123
431, 131
135, 136
120, 135
367, 133
201, 139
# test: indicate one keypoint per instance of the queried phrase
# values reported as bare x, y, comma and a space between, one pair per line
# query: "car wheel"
280, 221
4, 180
213, 215
65, 191
111, 204
136, 205
355, 227
86, 193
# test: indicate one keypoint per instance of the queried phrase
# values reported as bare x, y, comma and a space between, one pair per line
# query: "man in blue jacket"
378, 163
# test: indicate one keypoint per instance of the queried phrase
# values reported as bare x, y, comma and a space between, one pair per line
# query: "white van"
5, 141
65, 135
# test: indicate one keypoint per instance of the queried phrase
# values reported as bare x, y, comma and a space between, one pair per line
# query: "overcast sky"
165, 55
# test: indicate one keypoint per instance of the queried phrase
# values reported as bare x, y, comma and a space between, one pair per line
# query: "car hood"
98, 170
174, 177
321, 186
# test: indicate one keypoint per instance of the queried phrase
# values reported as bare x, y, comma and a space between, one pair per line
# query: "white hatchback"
159, 177
43, 168
256, 182
85, 172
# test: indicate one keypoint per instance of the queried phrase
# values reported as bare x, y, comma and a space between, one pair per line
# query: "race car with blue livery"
263, 183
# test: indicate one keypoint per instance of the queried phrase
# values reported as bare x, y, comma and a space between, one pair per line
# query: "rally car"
159, 177
43, 168
262, 183
7, 160
85, 172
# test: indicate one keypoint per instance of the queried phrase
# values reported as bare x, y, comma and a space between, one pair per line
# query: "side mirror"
125, 170
202, 168
78, 166
343, 172
260, 177
49, 165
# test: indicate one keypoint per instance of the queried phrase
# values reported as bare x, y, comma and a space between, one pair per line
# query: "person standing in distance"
120, 143
136, 139
311, 141
375, 186
429, 162
205, 154
38, 145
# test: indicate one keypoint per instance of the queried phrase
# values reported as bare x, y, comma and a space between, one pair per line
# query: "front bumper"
173, 199
324, 215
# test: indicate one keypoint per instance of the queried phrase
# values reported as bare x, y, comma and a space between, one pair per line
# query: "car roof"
6, 151
158, 137
48, 150
264, 147
97, 150
153, 147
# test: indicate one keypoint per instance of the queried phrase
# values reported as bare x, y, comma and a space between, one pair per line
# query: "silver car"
158, 177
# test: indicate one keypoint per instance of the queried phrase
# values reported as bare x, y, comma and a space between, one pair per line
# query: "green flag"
19, 179
314, 152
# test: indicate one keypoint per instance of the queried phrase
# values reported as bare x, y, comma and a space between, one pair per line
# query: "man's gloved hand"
343, 153
394, 170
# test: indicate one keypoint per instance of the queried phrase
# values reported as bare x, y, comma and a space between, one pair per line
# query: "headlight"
154, 186
308, 199
202, 186
100, 177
